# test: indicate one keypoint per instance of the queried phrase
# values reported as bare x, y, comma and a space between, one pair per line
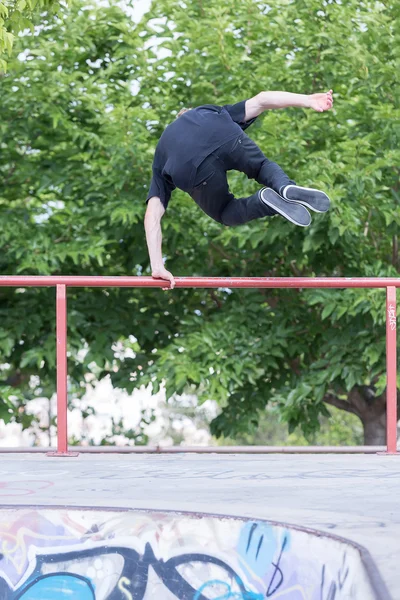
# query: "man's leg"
212, 194
250, 159
242, 210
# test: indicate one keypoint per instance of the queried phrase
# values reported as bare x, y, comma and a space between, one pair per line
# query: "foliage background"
85, 98
15, 17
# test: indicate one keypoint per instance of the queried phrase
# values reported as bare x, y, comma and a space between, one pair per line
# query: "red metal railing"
62, 282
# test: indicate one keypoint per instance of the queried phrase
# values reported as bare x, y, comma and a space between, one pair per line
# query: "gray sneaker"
292, 211
314, 199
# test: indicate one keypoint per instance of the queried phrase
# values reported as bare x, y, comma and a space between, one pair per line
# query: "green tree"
80, 119
72, 136
340, 429
16, 16
303, 349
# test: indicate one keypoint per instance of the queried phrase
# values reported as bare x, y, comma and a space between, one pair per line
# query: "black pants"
211, 191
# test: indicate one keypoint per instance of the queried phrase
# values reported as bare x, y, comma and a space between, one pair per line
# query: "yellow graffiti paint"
121, 583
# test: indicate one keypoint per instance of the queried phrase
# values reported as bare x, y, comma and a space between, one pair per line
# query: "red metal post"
391, 366
62, 373
62, 392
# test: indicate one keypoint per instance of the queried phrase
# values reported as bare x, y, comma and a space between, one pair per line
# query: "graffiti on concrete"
392, 316
48, 554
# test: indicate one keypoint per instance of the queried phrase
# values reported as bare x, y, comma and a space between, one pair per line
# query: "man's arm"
272, 100
152, 225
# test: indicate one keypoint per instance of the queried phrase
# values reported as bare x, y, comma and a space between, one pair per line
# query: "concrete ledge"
201, 450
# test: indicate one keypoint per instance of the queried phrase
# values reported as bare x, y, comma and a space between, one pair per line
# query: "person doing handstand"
195, 152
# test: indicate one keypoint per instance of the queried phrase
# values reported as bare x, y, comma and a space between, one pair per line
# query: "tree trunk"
369, 408
375, 431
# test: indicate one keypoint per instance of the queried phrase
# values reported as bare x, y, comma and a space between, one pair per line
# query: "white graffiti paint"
392, 317
136, 555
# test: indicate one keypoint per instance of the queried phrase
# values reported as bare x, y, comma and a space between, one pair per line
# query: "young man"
197, 149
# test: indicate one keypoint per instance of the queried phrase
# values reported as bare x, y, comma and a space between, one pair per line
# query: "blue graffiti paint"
62, 586
259, 545
229, 595
65, 586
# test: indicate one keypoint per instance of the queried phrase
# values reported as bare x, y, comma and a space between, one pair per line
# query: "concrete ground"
355, 496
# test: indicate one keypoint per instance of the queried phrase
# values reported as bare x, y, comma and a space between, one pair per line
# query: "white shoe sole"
286, 208
304, 202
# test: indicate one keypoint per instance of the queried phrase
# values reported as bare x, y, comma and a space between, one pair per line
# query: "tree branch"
215, 298
295, 270
10, 174
342, 404
358, 399
220, 251
395, 252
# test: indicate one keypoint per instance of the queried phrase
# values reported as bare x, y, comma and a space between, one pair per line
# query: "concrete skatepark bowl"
124, 554
57, 553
